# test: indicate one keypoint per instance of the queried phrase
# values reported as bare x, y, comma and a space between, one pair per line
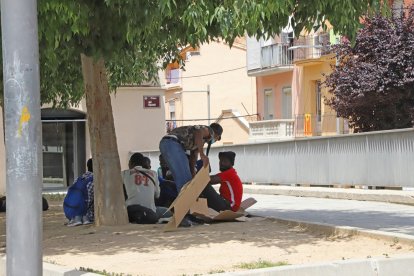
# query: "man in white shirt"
141, 187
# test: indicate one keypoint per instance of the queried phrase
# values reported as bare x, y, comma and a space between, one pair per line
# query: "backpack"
74, 203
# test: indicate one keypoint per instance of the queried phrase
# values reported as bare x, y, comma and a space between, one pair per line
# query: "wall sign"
151, 101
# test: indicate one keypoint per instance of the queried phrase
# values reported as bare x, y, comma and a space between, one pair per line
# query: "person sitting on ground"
168, 190
147, 163
78, 204
141, 187
45, 204
174, 145
231, 188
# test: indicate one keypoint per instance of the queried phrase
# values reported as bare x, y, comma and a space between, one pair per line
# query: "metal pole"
23, 137
208, 103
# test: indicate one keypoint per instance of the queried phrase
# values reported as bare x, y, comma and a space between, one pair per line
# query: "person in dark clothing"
168, 190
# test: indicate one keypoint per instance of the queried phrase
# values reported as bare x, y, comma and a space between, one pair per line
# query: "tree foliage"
132, 39
137, 37
373, 83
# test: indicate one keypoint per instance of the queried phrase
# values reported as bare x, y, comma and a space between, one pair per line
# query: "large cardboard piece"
201, 210
186, 198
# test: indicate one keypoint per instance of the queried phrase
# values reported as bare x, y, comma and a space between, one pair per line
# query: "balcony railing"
302, 126
271, 130
317, 125
311, 46
276, 55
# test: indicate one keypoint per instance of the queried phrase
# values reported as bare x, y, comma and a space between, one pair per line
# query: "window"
287, 103
172, 110
268, 104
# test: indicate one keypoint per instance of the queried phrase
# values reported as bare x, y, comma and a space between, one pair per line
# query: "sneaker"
76, 221
194, 219
86, 220
164, 220
186, 223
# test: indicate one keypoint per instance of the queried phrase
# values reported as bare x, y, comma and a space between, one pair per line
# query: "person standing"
174, 145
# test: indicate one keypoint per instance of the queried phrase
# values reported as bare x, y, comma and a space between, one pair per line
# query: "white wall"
137, 128
253, 53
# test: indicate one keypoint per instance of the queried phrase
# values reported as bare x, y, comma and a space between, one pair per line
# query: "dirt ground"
203, 249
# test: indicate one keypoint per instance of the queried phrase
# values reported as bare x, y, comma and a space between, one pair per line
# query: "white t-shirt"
141, 189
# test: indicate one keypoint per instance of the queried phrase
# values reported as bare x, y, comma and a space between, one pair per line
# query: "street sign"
151, 101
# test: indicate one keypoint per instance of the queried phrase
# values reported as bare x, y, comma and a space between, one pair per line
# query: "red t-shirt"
231, 188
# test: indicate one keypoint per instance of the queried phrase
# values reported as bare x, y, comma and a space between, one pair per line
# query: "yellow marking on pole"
24, 118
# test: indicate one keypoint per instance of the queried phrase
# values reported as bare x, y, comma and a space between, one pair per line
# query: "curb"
50, 270
330, 229
389, 196
383, 266
366, 267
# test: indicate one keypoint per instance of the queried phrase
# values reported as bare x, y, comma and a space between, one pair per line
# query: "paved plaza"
381, 216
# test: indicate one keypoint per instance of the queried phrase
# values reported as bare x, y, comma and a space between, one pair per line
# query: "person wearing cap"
174, 145
231, 187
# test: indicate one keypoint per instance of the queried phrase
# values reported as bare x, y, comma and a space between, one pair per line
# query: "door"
269, 105
64, 147
287, 103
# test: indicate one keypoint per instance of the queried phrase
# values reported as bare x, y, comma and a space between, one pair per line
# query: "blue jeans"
174, 154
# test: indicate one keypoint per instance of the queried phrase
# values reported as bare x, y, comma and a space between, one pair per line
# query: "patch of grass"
260, 264
216, 271
102, 272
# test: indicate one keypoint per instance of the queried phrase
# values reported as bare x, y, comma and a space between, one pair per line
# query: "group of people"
148, 193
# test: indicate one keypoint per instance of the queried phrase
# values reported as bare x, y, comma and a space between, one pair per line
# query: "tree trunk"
109, 197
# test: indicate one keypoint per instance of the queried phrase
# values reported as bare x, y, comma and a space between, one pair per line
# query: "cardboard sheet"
186, 198
247, 203
201, 210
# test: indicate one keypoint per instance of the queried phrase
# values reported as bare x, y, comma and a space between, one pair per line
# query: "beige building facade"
139, 118
213, 82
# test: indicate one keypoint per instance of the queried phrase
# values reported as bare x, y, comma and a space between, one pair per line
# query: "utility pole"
22, 137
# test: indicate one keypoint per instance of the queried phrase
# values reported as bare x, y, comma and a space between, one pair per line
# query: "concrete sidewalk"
391, 196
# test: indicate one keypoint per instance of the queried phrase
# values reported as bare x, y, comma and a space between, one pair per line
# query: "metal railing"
311, 46
382, 158
276, 55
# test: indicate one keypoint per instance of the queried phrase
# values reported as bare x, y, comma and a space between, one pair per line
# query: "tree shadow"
261, 232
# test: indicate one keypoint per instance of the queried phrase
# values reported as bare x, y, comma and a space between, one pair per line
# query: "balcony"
311, 47
262, 131
304, 125
320, 125
270, 59
173, 78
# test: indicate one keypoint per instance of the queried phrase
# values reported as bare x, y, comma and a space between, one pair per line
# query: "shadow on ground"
60, 239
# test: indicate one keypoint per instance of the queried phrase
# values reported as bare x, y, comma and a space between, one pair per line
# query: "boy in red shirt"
231, 188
